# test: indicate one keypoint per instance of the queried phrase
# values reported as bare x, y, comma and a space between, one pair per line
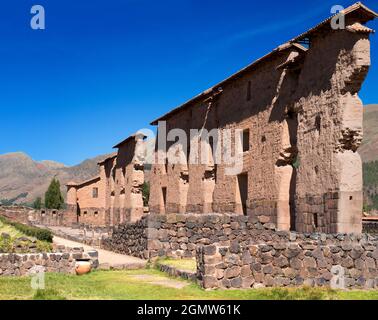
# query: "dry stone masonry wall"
292, 263
14, 264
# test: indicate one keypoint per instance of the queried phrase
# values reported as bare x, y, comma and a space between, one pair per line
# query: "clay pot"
82, 267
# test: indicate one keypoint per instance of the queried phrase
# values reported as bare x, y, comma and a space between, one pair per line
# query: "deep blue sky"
103, 69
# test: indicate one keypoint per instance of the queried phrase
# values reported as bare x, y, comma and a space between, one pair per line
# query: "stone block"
232, 272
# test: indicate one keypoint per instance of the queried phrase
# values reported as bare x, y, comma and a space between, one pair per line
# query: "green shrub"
38, 233
5, 245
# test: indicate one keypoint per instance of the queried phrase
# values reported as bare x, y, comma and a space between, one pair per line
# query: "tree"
37, 204
53, 196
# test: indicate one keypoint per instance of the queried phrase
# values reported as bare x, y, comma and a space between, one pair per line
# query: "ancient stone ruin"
115, 196
292, 213
301, 118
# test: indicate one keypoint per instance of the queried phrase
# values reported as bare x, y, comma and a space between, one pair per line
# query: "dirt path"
107, 259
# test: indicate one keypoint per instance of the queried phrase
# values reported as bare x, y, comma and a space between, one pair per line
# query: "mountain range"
22, 179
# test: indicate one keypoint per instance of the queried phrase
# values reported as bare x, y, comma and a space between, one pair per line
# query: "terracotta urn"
82, 267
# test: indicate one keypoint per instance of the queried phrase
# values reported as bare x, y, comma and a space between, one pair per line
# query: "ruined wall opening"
243, 190
78, 212
316, 221
245, 140
164, 192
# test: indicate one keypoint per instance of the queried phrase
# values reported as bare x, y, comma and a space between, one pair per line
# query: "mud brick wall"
306, 260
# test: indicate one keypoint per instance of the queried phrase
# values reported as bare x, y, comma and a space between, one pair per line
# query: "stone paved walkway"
107, 259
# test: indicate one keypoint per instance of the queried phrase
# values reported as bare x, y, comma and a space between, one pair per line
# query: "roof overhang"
357, 10
133, 137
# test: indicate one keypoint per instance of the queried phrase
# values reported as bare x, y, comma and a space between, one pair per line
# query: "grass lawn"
143, 285
181, 264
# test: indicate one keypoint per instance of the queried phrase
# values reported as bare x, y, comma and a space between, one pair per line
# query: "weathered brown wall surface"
304, 117
119, 186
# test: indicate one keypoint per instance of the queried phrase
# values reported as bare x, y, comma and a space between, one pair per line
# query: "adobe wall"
308, 115
128, 175
89, 210
206, 188
329, 178
106, 174
119, 186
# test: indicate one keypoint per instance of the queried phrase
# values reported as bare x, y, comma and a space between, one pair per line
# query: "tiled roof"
74, 184
132, 137
358, 27
112, 156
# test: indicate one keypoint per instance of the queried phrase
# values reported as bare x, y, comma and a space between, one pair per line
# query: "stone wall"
16, 213
14, 264
129, 238
370, 226
312, 261
178, 235
234, 251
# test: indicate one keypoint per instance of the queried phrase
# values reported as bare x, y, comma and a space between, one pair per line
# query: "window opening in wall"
166, 165
96, 213
78, 213
318, 122
245, 140
350, 198
95, 192
164, 190
243, 190
305, 42
85, 212
249, 87
211, 144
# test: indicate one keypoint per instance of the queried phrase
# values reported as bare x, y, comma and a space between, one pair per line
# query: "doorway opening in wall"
243, 190
292, 121
164, 191
292, 192
78, 213
245, 140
